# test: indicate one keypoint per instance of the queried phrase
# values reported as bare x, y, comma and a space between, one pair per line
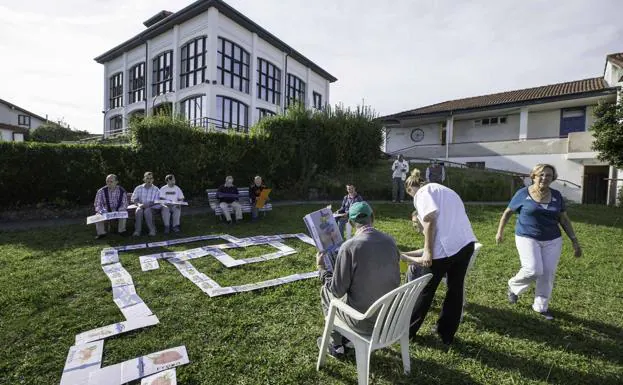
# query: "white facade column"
124, 97
253, 115
326, 92
148, 74
523, 124
284, 80
176, 63
212, 49
308, 91
449, 134
105, 127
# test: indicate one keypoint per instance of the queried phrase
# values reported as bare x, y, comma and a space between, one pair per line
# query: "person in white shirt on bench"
144, 196
171, 192
227, 195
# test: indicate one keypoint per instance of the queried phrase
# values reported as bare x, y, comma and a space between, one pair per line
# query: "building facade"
16, 122
515, 130
210, 64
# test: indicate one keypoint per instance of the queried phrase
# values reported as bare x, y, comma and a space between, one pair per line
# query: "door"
595, 185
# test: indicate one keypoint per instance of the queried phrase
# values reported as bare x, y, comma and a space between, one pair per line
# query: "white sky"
395, 57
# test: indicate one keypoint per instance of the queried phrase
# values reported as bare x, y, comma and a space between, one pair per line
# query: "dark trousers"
455, 268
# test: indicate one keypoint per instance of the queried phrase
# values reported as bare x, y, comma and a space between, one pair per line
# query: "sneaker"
152, 234
166, 229
512, 297
136, 234
547, 315
335, 351
100, 236
176, 229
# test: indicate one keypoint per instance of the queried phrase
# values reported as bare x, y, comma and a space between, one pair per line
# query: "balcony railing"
215, 125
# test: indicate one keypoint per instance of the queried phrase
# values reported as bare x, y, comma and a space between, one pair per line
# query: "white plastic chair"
392, 324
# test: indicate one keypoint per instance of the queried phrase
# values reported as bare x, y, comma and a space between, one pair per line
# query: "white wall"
11, 116
544, 124
465, 131
6, 135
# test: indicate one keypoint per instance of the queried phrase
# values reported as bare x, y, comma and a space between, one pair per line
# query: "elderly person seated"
341, 215
108, 199
145, 196
227, 195
254, 192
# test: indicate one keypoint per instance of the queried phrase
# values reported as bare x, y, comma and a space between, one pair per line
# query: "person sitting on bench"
254, 192
227, 195
108, 199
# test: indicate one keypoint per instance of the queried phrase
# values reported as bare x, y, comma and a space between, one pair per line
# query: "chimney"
156, 18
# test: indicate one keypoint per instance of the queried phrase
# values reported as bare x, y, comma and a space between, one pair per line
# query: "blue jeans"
398, 189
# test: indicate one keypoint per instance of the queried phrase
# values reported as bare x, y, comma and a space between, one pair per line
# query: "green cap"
359, 211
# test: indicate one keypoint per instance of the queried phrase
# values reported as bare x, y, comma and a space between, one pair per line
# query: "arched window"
191, 109
231, 113
233, 65
193, 65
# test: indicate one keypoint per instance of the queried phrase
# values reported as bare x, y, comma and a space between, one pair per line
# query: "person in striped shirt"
144, 196
109, 198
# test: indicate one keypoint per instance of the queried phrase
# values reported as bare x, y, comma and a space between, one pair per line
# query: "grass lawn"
52, 287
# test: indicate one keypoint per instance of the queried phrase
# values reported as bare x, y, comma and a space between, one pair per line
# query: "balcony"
580, 142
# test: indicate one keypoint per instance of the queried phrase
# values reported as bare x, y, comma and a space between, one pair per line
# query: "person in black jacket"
227, 195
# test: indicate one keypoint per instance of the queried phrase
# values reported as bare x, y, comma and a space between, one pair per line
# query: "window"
137, 83
115, 98
572, 120
295, 91
193, 68
233, 65
116, 124
231, 113
268, 82
191, 109
480, 165
165, 109
23, 120
162, 74
490, 121
317, 100
264, 113
136, 116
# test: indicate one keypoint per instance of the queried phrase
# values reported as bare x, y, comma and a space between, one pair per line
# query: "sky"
393, 56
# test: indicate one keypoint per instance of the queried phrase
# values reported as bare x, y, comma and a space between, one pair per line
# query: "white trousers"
237, 209
539, 260
174, 211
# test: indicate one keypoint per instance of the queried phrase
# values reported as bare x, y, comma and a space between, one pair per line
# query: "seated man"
171, 192
254, 192
366, 268
227, 195
108, 199
342, 213
144, 196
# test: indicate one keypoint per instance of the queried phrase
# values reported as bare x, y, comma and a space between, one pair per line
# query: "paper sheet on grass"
106, 216
82, 360
115, 329
139, 310
108, 256
168, 377
149, 263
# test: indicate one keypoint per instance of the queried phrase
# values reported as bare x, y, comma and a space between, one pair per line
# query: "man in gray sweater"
366, 268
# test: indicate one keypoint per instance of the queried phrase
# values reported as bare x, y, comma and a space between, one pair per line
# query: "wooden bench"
243, 199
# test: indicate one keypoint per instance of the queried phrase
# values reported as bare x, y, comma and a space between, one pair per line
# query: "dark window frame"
225, 114
264, 112
136, 84
162, 73
317, 97
189, 105
193, 65
233, 65
115, 96
23, 120
295, 90
268, 82
478, 165
116, 123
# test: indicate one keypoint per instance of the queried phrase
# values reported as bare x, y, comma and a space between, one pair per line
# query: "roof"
201, 6
21, 130
552, 92
157, 17
14, 107
616, 58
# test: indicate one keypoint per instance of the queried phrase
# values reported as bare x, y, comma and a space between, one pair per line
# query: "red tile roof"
592, 85
616, 58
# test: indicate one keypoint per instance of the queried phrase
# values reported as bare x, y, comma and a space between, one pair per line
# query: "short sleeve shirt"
453, 231
537, 220
171, 193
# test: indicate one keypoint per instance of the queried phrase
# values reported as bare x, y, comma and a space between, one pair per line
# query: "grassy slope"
52, 288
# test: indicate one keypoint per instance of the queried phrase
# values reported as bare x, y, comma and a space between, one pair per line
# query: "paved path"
36, 223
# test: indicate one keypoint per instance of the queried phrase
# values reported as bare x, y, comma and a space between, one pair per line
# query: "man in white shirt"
144, 196
172, 193
400, 169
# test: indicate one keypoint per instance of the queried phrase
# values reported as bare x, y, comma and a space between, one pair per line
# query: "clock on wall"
417, 135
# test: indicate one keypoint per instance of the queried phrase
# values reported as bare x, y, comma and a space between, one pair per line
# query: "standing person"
436, 173
540, 209
227, 195
144, 196
109, 198
448, 247
366, 268
342, 213
171, 192
400, 169
254, 192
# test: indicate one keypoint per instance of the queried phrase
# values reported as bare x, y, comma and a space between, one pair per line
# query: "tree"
55, 133
608, 133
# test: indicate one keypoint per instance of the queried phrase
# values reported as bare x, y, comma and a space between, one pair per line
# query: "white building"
515, 130
15, 122
211, 64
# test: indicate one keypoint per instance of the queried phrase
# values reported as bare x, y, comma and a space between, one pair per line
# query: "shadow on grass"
607, 345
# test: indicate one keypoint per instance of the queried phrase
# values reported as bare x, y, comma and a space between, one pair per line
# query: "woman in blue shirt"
540, 209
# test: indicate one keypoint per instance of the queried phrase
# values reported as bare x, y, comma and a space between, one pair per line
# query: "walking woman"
448, 247
540, 210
